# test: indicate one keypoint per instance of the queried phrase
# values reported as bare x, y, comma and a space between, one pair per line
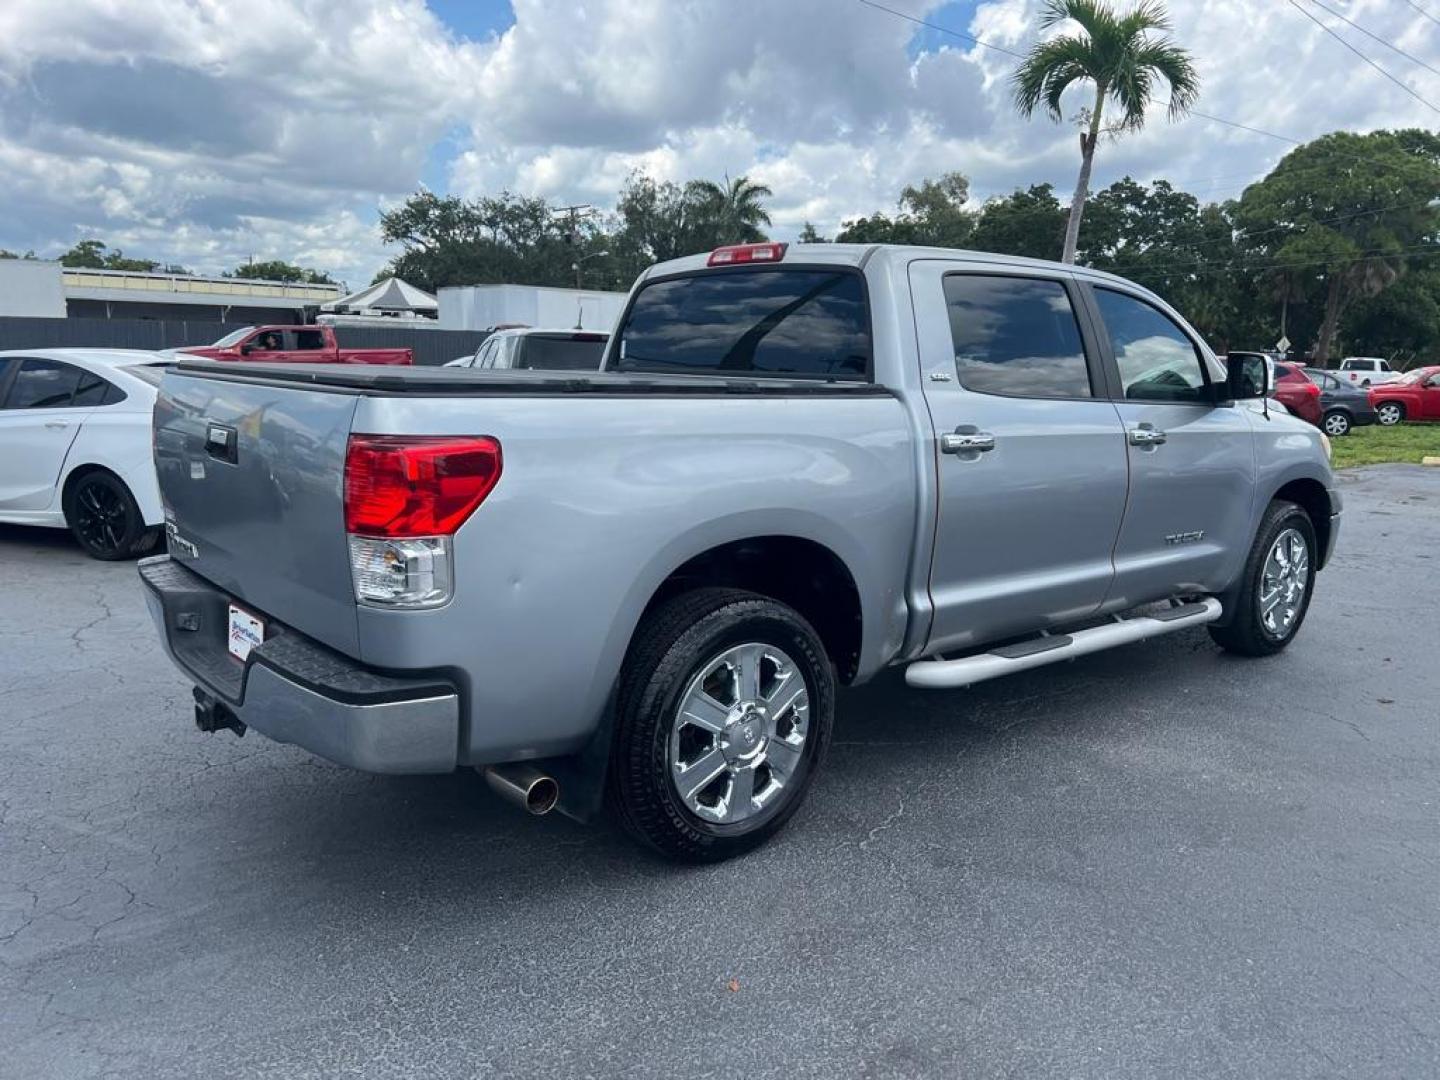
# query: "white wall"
30, 287
480, 307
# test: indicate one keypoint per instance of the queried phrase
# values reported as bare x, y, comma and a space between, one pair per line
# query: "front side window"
1157, 360
1016, 336
806, 323
42, 384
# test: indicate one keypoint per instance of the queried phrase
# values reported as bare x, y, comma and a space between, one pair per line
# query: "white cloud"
205, 131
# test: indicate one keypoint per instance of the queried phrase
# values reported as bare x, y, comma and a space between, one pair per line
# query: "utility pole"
572, 234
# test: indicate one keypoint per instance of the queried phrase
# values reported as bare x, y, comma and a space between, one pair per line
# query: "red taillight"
735, 254
422, 485
1312, 389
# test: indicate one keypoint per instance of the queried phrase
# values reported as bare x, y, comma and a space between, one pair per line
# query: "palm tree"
1117, 54
734, 212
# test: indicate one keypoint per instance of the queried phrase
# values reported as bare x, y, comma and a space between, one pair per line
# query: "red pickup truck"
293, 345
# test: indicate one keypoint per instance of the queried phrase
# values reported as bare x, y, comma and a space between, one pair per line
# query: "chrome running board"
969, 670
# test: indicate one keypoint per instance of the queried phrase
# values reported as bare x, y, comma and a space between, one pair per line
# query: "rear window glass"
1016, 336
562, 353
805, 323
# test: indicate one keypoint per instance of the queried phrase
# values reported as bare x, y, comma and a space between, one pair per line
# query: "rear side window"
1016, 336
799, 323
309, 339
1157, 361
42, 384
91, 390
561, 353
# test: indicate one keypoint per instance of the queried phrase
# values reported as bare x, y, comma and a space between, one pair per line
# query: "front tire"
724, 712
1336, 423
105, 519
1390, 413
1276, 584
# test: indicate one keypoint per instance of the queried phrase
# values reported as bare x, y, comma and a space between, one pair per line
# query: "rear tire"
687, 701
1336, 423
1390, 413
105, 519
1274, 594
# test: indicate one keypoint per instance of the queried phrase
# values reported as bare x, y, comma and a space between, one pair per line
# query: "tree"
1119, 57
1348, 215
503, 239
934, 214
729, 214
94, 255
811, 235
1029, 223
279, 270
6, 254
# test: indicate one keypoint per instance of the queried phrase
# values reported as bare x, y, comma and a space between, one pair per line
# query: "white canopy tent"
391, 294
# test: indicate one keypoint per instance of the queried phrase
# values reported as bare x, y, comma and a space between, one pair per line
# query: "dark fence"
429, 346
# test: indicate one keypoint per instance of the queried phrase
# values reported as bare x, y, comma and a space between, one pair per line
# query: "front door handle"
960, 442
1146, 436
57, 425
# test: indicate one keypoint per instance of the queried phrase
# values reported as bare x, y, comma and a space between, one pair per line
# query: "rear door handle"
1146, 436
960, 442
57, 425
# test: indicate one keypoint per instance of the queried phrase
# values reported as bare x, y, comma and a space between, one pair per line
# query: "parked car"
293, 345
538, 350
75, 446
1297, 393
1367, 371
799, 466
1414, 396
1342, 406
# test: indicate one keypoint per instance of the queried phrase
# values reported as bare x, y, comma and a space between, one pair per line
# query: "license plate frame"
243, 631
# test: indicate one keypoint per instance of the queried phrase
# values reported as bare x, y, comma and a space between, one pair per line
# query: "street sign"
1283, 345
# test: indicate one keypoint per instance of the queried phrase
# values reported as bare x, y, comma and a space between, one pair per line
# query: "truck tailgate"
252, 478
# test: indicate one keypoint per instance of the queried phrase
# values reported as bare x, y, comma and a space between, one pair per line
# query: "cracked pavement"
1156, 861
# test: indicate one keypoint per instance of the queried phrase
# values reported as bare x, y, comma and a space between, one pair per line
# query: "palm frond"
1173, 64
1049, 69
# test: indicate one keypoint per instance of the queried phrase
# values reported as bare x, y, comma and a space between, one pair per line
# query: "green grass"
1378, 445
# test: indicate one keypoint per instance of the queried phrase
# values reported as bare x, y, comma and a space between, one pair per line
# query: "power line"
1398, 82
1376, 37
1422, 11
1215, 266
941, 29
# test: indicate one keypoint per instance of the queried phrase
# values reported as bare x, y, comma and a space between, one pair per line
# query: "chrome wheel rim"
1389, 414
1283, 582
1336, 424
738, 739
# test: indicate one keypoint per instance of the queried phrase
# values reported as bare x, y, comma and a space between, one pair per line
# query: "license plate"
246, 631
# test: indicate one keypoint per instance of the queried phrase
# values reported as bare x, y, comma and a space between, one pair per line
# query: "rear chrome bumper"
293, 689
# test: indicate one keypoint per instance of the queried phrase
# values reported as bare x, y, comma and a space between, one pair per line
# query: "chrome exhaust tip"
530, 789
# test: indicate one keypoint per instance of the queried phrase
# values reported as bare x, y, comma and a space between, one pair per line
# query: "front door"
1192, 462
1030, 454
1430, 398
39, 419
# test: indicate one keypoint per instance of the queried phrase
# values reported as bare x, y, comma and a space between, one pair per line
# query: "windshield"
805, 323
569, 352
233, 338
1413, 376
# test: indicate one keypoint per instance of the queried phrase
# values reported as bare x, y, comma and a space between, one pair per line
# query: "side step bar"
969, 670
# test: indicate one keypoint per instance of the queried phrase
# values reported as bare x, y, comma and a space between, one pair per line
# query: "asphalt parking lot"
1159, 861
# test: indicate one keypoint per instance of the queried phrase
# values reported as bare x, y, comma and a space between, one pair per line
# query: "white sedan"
75, 445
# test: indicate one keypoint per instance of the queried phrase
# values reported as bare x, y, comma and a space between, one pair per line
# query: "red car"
1413, 396
1296, 392
293, 345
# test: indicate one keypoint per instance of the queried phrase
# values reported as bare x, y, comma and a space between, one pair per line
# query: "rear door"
1192, 462
1030, 453
1430, 397
39, 419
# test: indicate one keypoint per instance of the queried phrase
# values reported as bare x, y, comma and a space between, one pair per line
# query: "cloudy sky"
208, 131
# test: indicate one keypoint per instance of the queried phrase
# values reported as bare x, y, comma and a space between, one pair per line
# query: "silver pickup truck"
799, 466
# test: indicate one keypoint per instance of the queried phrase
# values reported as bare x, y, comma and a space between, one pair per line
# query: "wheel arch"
1312, 497
797, 571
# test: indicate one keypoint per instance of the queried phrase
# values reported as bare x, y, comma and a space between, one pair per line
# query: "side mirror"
1248, 376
